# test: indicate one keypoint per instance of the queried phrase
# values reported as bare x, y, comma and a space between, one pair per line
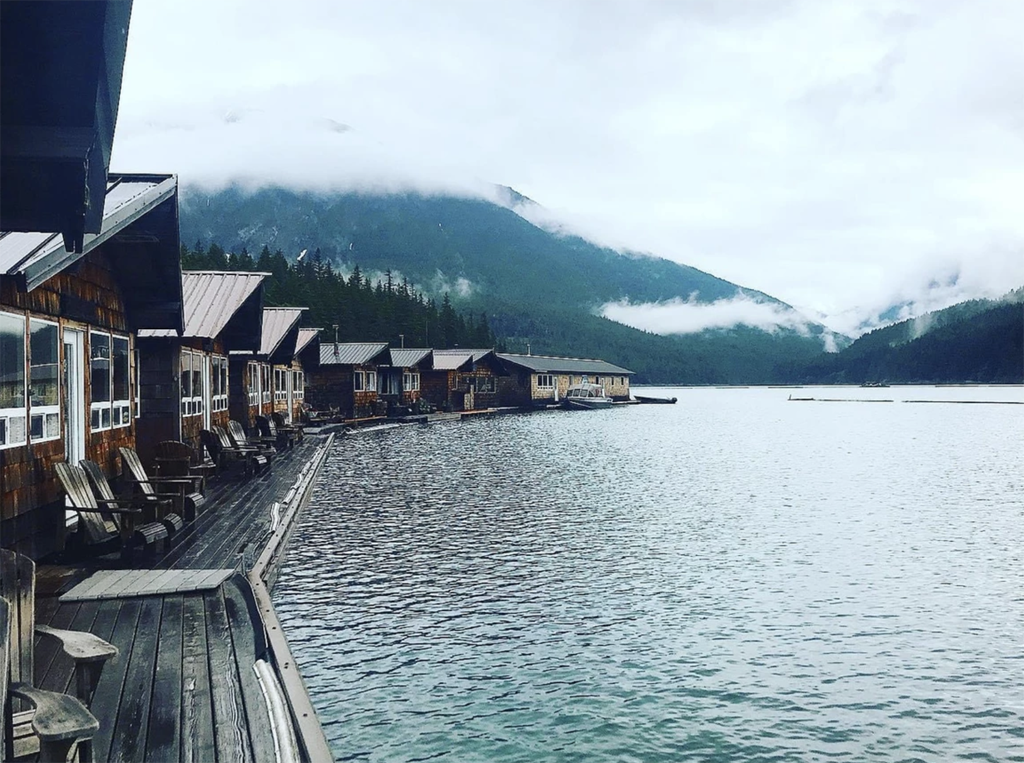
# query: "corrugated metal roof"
408, 357
451, 360
474, 354
211, 297
305, 337
277, 322
39, 256
350, 353
551, 365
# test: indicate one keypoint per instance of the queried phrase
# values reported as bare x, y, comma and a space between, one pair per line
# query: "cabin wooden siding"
333, 386
435, 387
31, 500
292, 376
478, 388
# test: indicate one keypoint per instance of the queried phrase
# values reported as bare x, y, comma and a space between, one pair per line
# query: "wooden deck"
189, 630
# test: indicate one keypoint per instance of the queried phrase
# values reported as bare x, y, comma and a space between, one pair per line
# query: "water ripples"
730, 578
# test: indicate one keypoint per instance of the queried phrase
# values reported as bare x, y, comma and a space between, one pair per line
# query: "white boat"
587, 396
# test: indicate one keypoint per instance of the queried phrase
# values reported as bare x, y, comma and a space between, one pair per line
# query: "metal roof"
35, 257
551, 365
451, 360
277, 322
350, 353
474, 354
305, 337
212, 298
408, 357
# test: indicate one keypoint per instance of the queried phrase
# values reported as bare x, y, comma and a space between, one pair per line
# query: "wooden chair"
224, 452
284, 426
48, 723
174, 458
236, 436
185, 492
164, 511
103, 523
283, 439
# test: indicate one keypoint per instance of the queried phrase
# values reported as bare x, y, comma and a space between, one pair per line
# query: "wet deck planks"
183, 687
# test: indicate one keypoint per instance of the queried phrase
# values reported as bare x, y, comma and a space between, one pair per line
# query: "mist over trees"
363, 309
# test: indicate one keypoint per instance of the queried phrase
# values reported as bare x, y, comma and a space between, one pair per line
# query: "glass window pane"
12, 361
43, 375
186, 374
120, 368
99, 365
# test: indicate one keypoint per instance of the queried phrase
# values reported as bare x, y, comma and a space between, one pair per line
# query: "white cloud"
679, 316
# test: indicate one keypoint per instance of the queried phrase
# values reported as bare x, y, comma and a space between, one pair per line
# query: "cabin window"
486, 384
545, 381
299, 387
44, 381
191, 383
358, 381
99, 379
254, 384
121, 407
281, 385
410, 382
371, 380
220, 383
265, 383
622, 381
12, 380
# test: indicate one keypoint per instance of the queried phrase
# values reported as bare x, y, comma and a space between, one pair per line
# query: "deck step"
117, 584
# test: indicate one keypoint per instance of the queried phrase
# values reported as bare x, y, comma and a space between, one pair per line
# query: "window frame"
120, 408
410, 381
219, 382
550, 381
45, 411
191, 405
12, 413
98, 409
253, 388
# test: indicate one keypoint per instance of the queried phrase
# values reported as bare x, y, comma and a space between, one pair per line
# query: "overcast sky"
841, 156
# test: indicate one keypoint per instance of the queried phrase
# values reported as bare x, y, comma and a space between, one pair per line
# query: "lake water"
737, 577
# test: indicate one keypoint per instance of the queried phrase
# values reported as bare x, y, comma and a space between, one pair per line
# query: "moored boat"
587, 396
654, 400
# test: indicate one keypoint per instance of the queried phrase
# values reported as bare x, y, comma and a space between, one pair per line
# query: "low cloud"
461, 287
679, 316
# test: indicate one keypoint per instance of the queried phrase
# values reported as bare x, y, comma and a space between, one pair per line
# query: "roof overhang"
61, 65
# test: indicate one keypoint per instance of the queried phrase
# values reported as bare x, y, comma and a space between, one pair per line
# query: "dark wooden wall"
31, 500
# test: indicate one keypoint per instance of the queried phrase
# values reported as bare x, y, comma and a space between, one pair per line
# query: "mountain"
538, 286
979, 340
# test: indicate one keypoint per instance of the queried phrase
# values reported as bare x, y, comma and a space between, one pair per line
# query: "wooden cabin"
305, 358
277, 349
60, 75
398, 383
346, 379
463, 380
69, 350
191, 381
542, 379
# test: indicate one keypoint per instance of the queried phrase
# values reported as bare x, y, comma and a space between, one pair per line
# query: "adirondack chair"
105, 524
284, 426
238, 437
223, 451
185, 492
37, 721
282, 438
163, 507
174, 458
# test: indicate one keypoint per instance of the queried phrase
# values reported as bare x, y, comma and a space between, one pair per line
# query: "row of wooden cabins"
364, 380
115, 346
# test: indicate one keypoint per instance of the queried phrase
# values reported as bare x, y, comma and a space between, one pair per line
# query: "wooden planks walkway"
184, 686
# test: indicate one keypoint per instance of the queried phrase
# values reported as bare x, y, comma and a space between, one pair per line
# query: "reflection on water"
735, 577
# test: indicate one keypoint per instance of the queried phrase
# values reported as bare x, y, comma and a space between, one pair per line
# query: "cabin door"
74, 396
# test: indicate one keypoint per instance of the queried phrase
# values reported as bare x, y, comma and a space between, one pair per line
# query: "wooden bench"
37, 721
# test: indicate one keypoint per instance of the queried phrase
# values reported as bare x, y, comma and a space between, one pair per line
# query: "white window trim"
193, 405
550, 379
254, 383
410, 382
43, 410
9, 414
299, 389
123, 407
265, 380
219, 402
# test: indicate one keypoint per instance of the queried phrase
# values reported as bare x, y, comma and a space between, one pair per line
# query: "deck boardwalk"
189, 631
